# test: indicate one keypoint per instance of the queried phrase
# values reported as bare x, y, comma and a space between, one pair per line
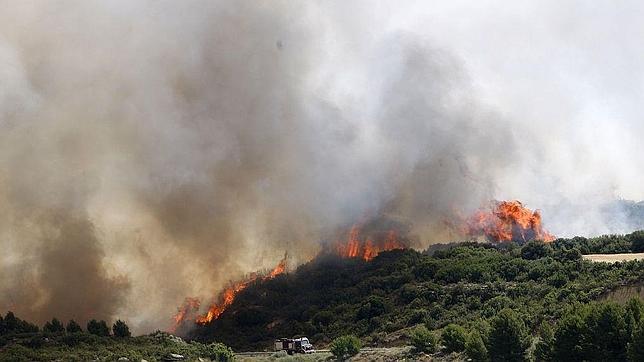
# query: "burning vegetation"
358, 246
507, 221
189, 311
367, 240
503, 221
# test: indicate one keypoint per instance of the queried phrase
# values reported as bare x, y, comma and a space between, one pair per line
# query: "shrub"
345, 346
120, 329
423, 340
544, 347
508, 338
636, 346
475, 348
218, 352
454, 337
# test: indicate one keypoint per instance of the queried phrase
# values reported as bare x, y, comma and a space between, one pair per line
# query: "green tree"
636, 345
11, 322
120, 329
475, 347
98, 328
637, 241
73, 327
55, 326
508, 338
423, 340
605, 332
535, 249
544, 348
345, 346
454, 338
568, 336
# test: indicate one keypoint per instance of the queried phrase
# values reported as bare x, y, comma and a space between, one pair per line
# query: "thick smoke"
155, 150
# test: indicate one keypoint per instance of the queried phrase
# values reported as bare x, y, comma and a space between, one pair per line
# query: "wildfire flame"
367, 247
191, 305
507, 221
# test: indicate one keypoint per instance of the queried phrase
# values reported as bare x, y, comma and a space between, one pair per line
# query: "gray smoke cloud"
151, 151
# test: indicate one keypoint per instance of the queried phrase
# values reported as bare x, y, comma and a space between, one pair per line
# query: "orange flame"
358, 245
226, 298
507, 221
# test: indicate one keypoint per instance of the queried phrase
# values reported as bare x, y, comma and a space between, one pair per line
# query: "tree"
53, 327
637, 241
544, 348
98, 328
423, 340
535, 249
120, 329
636, 345
508, 338
454, 338
73, 327
568, 335
11, 322
345, 347
475, 348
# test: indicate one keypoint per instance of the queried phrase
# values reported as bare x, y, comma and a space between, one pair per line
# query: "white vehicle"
294, 345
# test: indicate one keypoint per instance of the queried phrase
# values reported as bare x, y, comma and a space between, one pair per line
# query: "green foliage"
345, 346
11, 324
98, 328
120, 329
423, 340
454, 338
637, 241
534, 250
53, 327
475, 347
597, 331
508, 338
636, 345
73, 327
90, 347
544, 347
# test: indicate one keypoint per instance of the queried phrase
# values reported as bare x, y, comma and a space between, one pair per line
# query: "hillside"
466, 284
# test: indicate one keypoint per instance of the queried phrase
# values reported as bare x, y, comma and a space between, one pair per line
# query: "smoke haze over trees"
151, 151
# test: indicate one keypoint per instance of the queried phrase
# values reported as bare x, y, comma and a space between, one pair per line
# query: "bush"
423, 340
98, 328
120, 329
636, 346
508, 338
475, 348
218, 352
454, 338
345, 346
544, 347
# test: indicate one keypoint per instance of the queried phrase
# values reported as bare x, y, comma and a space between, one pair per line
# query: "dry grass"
612, 258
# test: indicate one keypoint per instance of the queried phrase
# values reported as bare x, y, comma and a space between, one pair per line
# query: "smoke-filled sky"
154, 150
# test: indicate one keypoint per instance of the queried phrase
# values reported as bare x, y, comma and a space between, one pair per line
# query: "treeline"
602, 331
24, 341
10, 325
466, 284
